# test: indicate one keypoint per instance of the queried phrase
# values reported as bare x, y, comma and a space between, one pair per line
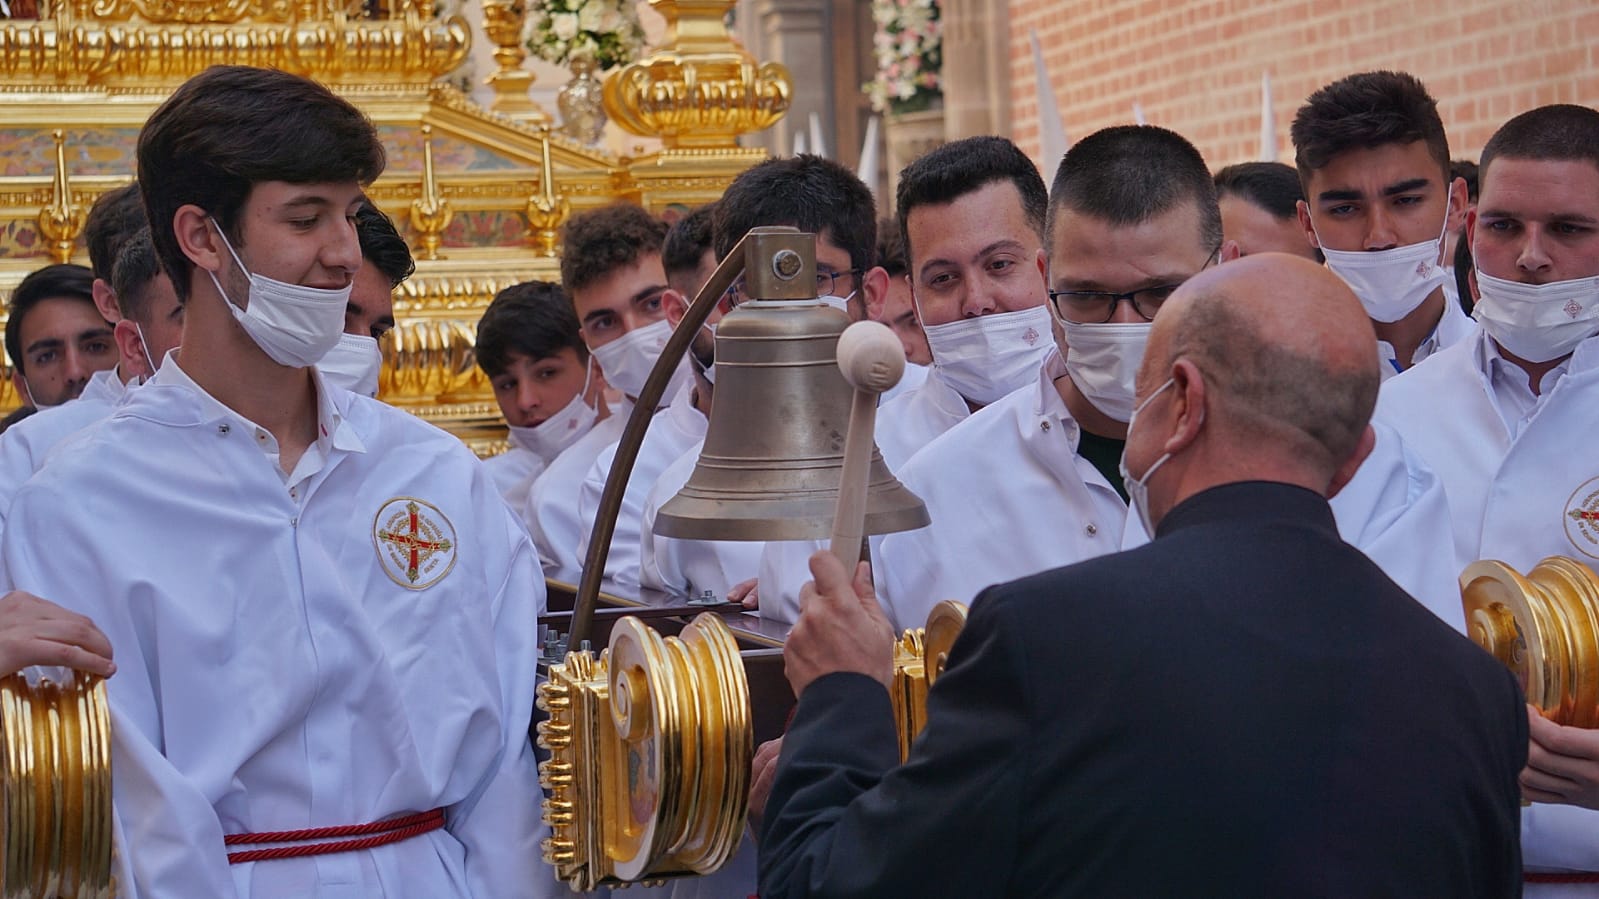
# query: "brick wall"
1196, 66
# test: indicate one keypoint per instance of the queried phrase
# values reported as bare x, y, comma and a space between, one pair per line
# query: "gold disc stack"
55, 788
919, 659
650, 752
1545, 628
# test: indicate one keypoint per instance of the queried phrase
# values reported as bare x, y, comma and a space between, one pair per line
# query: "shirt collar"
333, 431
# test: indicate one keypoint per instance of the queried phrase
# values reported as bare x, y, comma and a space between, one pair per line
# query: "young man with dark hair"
355, 361
972, 216
55, 335
898, 312
114, 218
611, 268
150, 323
1260, 209
678, 427
361, 584
1502, 418
1374, 163
529, 346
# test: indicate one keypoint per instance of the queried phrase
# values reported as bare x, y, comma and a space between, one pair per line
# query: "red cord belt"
367, 836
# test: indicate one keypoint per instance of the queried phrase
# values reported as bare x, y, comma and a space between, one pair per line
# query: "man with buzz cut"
323, 616
1379, 198
1506, 416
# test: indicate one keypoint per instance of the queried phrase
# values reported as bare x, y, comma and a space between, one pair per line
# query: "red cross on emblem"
409, 537
1584, 515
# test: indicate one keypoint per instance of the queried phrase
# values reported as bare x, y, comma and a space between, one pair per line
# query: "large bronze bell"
1545, 628
772, 458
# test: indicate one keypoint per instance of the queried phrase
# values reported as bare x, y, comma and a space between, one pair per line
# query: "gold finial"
701, 89
503, 23
430, 213
547, 212
61, 221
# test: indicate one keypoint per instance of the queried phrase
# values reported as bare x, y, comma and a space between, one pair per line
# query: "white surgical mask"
627, 360
1138, 488
294, 324
144, 348
988, 356
550, 437
28, 389
1103, 360
1538, 322
1390, 283
353, 363
839, 303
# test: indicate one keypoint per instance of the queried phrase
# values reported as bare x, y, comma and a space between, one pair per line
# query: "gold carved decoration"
650, 749
62, 221
481, 193
503, 22
430, 213
919, 659
546, 212
1544, 627
701, 89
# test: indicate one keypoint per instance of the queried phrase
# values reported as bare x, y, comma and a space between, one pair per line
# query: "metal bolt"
786, 265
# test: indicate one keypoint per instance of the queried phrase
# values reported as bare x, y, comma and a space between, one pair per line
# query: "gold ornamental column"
697, 93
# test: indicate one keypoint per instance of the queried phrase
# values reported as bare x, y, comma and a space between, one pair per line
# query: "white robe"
551, 512
275, 670
514, 472
1516, 499
674, 429
1008, 495
26, 445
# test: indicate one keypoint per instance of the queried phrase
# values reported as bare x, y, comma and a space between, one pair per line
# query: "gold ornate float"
55, 787
480, 194
1544, 627
650, 746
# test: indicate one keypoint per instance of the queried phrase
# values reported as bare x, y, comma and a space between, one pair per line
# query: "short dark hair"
1559, 133
1364, 111
73, 282
136, 267
534, 319
1465, 170
806, 192
686, 242
891, 248
232, 127
960, 167
1272, 186
600, 241
382, 245
113, 219
1128, 174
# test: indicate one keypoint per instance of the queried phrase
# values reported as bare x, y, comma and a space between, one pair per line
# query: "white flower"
564, 25
591, 16
610, 21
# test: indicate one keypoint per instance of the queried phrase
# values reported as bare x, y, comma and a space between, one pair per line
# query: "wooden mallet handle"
872, 360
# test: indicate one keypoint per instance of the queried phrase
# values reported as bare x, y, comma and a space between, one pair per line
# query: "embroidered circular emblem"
1582, 519
1030, 337
415, 542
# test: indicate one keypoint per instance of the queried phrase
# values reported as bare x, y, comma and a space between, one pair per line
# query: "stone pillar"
976, 73
795, 33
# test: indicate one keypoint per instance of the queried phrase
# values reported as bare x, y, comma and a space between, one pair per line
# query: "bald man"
1244, 706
